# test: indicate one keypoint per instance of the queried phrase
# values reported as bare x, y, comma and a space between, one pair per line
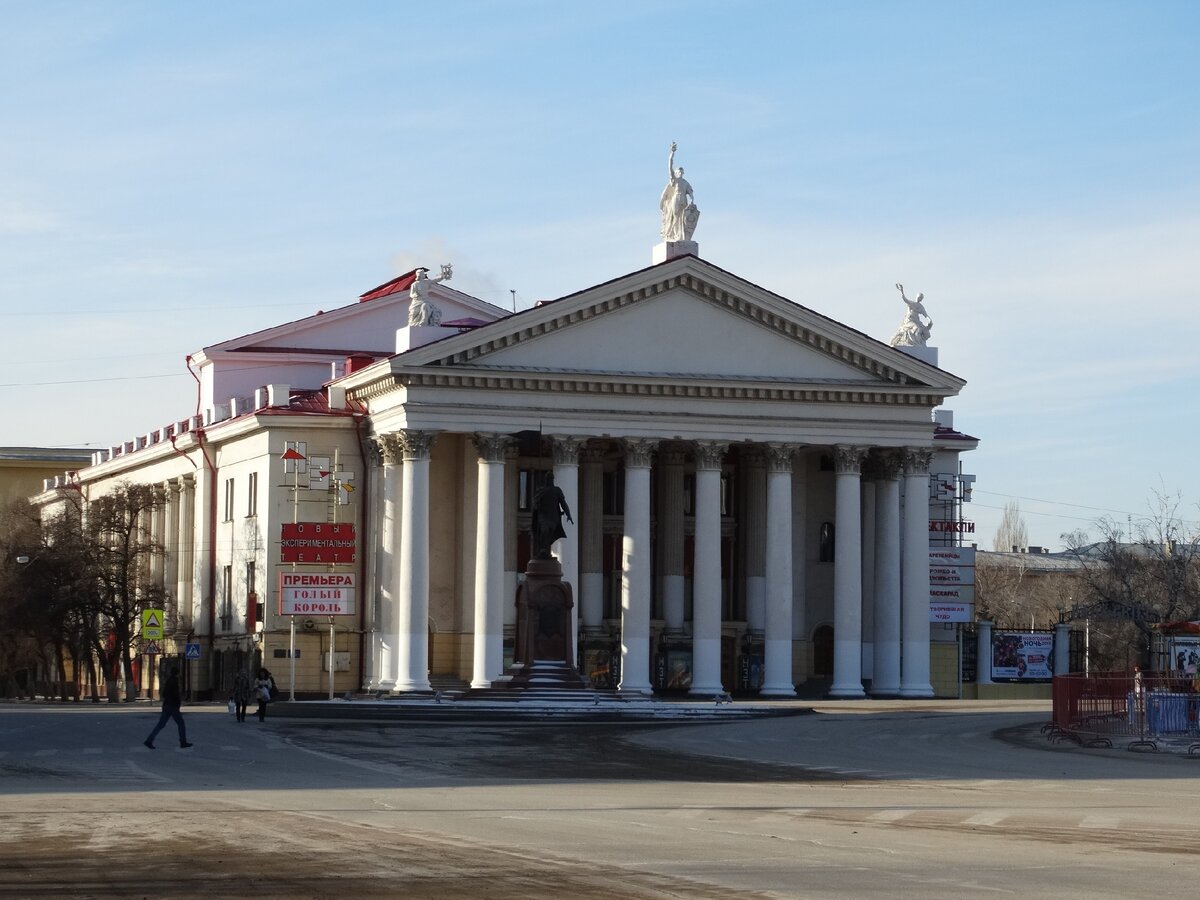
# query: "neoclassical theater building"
749, 483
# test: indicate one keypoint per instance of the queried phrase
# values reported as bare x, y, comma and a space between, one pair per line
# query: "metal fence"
1140, 709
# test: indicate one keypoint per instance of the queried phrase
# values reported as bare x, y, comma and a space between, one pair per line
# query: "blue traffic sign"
192, 651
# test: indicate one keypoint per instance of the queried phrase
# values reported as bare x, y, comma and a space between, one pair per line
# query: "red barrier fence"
1097, 708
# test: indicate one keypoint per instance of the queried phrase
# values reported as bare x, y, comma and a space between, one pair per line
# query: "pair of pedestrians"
263, 690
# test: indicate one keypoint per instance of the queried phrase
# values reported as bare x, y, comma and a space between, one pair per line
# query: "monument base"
671, 249
924, 354
544, 655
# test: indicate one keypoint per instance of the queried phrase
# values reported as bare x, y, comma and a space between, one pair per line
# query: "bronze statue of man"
549, 506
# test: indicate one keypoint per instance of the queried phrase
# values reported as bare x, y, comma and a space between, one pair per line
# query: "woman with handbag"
262, 693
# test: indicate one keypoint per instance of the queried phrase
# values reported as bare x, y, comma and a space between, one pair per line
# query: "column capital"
416, 445
590, 454
886, 464
187, 481
389, 449
638, 452
754, 455
916, 460
565, 449
491, 447
848, 460
779, 456
710, 454
174, 486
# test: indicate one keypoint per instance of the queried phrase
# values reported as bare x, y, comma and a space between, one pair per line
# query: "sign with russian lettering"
951, 612
951, 526
317, 542
316, 593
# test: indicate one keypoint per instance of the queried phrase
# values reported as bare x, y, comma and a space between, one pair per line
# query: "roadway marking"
1100, 822
230, 748
50, 752
93, 750
990, 817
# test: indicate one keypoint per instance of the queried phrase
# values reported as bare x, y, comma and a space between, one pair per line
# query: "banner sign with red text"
317, 542
316, 594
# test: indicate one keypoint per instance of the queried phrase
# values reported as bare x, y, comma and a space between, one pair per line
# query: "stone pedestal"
671, 249
544, 655
924, 354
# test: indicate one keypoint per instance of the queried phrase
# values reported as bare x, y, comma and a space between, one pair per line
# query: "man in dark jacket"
172, 700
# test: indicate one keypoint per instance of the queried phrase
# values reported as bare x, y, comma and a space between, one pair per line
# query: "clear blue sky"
175, 174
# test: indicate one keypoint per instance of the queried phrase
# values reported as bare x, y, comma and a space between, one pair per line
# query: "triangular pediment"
682, 320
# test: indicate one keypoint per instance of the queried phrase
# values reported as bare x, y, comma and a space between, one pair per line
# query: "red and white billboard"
316, 594
317, 542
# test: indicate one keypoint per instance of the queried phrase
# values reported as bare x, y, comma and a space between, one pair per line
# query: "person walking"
262, 692
172, 701
241, 693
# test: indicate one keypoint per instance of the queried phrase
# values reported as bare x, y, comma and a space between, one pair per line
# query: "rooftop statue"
421, 310
912, 331
679, 212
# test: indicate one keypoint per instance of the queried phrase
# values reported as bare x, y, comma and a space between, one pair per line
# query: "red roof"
403, 283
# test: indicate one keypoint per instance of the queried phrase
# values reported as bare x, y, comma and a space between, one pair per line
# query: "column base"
407, 687
706, 690
635, 690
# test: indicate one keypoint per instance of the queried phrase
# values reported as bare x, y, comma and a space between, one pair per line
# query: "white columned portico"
847, 574
669, 519
590, 517
706, 579
635, 569
566, 477
412, 608
777, 643
914, 650
391, 454
886, 676
488, 661
752, 538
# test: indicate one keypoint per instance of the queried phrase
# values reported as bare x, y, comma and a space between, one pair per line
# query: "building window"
252, 498
227, 598
827, 542
228, 500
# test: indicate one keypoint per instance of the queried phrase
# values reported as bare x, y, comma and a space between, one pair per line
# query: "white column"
566, 477
591, 540
983, 653
867, 499
512, 487
777, 644
1062, 648
800, 548
669, 521
635, 570
158, 536
706, 579
412, 608
914, 649
171, 555
489, 561
391, 453
886, 676
847, 575
186, 574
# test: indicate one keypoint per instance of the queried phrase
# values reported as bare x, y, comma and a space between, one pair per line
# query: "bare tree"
1011, 535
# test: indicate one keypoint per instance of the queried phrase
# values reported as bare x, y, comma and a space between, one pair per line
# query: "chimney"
337, 397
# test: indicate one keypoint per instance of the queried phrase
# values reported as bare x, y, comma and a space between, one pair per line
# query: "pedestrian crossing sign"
151, 648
